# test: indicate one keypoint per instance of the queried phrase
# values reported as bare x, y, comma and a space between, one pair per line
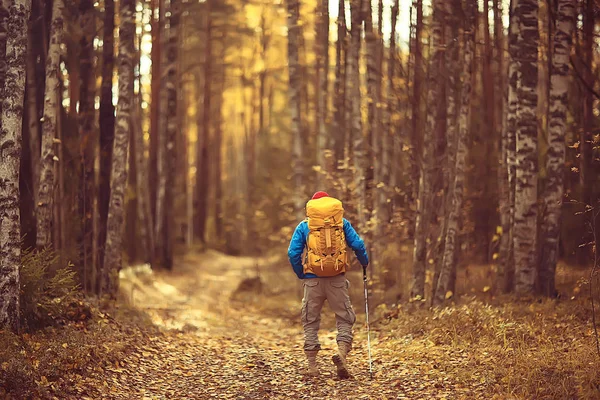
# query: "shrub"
45, 299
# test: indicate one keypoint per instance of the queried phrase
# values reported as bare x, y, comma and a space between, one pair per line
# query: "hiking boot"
340, 360
311, 357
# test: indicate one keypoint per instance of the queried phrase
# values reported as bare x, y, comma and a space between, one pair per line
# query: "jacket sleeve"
356, 243
296, 248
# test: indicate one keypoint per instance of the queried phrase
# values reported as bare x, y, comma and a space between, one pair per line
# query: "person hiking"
325, 233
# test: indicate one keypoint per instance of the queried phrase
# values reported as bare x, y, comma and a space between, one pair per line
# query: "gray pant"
335, 291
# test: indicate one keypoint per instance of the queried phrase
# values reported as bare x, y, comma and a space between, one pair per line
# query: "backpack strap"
328, 236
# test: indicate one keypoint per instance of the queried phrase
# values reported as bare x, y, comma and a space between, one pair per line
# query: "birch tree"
506, 262
373, 117
47, 178
359, 156
525, 223
87, 96
457, 185
322, 67
428, 163
295, 85
339, 86
106, 122
171, 154
118, 178
12, 94
555, 158
202, 161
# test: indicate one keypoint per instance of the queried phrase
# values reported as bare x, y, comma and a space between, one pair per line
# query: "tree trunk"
12, 93
156, 26
33, 118
359, 156
373, 115
457, 186
388, 136
161, 152
118, 179
586, 143
202, 160
171, 151
144, 214
47, 178
107, 126
428, 163
503, 184
87, 148
525, 223
340, 86
506, 266
416, 143
555, 161
322, 69
295, 87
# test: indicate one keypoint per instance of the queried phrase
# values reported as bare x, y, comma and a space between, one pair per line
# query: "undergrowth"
542, 350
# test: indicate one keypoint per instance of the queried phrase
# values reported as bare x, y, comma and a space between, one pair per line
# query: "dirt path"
251, 347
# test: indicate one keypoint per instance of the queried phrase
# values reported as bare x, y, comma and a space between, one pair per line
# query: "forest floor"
211, 329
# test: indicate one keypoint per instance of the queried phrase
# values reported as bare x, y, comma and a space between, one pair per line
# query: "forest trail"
225, 345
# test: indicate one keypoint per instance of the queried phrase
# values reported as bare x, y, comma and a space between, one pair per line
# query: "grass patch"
539, 348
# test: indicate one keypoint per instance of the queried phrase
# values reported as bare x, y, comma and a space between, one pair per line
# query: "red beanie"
318, 195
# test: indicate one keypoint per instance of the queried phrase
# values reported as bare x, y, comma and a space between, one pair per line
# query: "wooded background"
456, 133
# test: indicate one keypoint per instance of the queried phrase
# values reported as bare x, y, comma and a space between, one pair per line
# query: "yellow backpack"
326, 243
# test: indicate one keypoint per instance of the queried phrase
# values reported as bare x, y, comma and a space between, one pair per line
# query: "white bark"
506, 264
428, 163
359, 155
48, 158
295, 84
118, 178
12, 95
457, 186
525, 223
555, 161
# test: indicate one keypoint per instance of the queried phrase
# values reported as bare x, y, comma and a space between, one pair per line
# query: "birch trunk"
47, 178
359, 155
202, 161
457, 186
416, 124
503, 184
161, 142
555, 161
373, 114
525, 223
388, 135
156, 26
171, 153
143, 193
33, 118
339, 89
87, 148
12, 94
586, 142
428, 163
322, 68
107, 125
295, 85
118, 179
507, 267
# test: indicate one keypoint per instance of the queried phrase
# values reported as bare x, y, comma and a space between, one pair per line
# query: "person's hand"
365, 271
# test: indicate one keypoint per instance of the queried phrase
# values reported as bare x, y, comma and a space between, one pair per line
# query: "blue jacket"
298, 243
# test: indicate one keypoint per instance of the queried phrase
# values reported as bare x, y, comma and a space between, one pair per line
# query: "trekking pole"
368, 329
